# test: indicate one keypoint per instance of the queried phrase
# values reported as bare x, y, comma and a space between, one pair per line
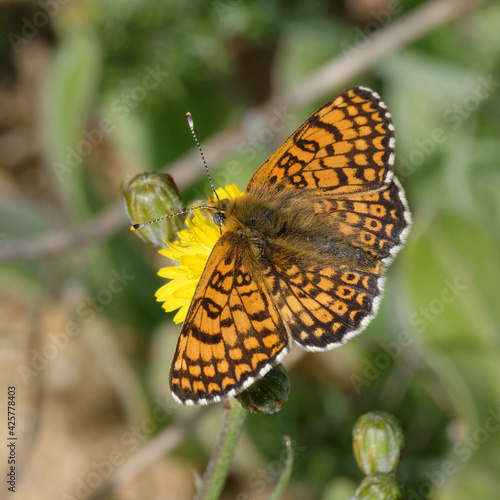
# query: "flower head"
148, 197
191, 251
268, 394
378, 442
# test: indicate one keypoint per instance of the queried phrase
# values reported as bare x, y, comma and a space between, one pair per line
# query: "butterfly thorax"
254, 213
286, 224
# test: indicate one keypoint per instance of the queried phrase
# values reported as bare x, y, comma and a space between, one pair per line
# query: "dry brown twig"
148, 454
320, 83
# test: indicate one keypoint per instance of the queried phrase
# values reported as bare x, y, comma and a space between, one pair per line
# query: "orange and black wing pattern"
323, 306
342, 157
347, 146
341, 161
232, 334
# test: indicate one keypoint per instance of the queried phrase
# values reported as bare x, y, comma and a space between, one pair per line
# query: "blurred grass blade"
287, 471
67, 94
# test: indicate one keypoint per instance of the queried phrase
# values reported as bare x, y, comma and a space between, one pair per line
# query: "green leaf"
67, 95
454, 280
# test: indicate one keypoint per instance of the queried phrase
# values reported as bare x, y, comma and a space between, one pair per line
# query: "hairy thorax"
286, 224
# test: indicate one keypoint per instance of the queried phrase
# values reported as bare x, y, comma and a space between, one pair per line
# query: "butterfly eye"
218, 218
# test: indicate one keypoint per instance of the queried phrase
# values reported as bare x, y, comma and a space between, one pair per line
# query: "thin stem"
287, 472
218, 467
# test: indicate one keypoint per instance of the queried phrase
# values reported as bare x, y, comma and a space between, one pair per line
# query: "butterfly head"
218, 218
217, 210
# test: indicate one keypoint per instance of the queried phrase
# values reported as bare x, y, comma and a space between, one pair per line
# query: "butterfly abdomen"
289, 227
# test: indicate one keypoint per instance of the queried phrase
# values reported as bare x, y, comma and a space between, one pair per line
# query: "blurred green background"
91, 92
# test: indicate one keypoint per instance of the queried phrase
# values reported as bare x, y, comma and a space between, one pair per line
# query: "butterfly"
303, 254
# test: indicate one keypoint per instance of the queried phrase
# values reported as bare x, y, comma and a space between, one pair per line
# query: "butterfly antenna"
189, 119
134, 227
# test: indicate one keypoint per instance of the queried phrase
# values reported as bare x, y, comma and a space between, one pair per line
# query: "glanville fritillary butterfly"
303, 255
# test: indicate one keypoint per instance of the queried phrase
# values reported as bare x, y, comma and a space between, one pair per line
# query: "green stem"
218, 467
287, 472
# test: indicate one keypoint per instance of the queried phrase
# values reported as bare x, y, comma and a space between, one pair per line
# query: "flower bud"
378, 486
148, 197
268, 394
377, 442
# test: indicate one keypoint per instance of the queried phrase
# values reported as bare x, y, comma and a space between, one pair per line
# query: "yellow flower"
191, 252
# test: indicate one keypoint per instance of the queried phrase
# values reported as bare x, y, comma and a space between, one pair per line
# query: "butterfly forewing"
347, 146
232, 333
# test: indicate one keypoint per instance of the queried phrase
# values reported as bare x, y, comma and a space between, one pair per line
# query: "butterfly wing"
341, 162
322, 306
342, 158
347, 146
232, 334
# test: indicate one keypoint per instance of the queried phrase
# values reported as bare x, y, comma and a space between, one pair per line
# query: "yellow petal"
190, 252
195, 262
181, 314
173, 272
172, 304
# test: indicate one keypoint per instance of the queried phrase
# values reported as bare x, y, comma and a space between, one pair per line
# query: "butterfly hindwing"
322, 305
376, 222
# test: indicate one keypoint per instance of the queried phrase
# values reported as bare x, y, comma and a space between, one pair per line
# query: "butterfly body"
303, 253
287, 227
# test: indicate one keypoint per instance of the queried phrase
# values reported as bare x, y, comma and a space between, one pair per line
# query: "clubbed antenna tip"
189, 118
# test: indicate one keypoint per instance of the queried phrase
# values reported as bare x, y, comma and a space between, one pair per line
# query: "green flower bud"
267, 395
148, 197
377, 442
378, 486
